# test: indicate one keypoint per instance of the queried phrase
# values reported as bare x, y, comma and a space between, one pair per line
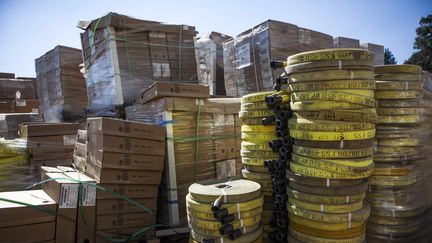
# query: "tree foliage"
423, 45
389, 58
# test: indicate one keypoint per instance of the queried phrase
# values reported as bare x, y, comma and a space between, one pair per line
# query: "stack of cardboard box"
209, 52
9, 123
378, 51
60, 85
80, 151
50, 144
344, 42
126, 158
248, 69
123, 55
17, 95
27, 216
75, 195
201, 140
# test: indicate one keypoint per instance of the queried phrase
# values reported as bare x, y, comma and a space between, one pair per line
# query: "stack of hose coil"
255, 149
332, 98
395, 194
227, 211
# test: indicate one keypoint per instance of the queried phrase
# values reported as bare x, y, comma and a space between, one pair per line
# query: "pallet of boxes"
49, 144
126, 159
201, 140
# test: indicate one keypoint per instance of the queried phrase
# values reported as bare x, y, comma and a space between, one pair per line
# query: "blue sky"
30, 28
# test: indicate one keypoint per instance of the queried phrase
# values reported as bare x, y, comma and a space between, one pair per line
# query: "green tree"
389, 58
423, 45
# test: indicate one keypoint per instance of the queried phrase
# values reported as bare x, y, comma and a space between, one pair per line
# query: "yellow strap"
330, 54
332, 85
398, 119
255, 113
336, 95
314, 172
390, 85
397, 95
328, 75
256, 145
319, 199
362, 166
364, 115
398, 69
216, 225
257, 153
256, 97
399, 111
254, 137
309, 238
327, 208
323, 105
256, 161
253, 106
258, 128
324, 125
332, 136
332, 153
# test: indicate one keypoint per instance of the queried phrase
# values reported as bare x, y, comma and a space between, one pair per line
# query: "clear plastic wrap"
122, 56
252, 51
209, 53
60, 85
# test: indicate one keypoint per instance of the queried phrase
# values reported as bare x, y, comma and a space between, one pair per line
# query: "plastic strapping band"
198, 103
341, 143
322, 207
352, 74
221, 240
406, 85
347, 199
340, 64
349, 220
327, 182
393, 212
241, 223
238, 210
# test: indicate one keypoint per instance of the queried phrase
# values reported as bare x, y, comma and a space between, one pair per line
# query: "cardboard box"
123, 176
110, 143
86, 221
7, 75
10, 86
122, 128
48, 129
114, 206
28, 233
82, 136
80, 149
126, 220
65, 193
16, 214
344, 42
104, 159
19, 106
164, 89
48, 142
51, 152
131, 191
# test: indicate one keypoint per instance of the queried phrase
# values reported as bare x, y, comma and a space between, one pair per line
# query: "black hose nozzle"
235, 234
275, 145
227, 219
276, 64
216, 204
226, 229
220, 213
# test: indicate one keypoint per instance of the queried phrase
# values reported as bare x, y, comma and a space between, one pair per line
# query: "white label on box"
185, 27
68, 196
69, 139
89, 195
157, 69
244, 59
22, 103
165, 70
35, 110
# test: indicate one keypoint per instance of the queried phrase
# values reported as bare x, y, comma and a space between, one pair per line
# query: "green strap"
120, 196
198, 116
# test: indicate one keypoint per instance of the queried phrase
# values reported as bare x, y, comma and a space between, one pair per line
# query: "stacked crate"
60, 85
123, 55
201, 144
49, 144
17, 95
126, 159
